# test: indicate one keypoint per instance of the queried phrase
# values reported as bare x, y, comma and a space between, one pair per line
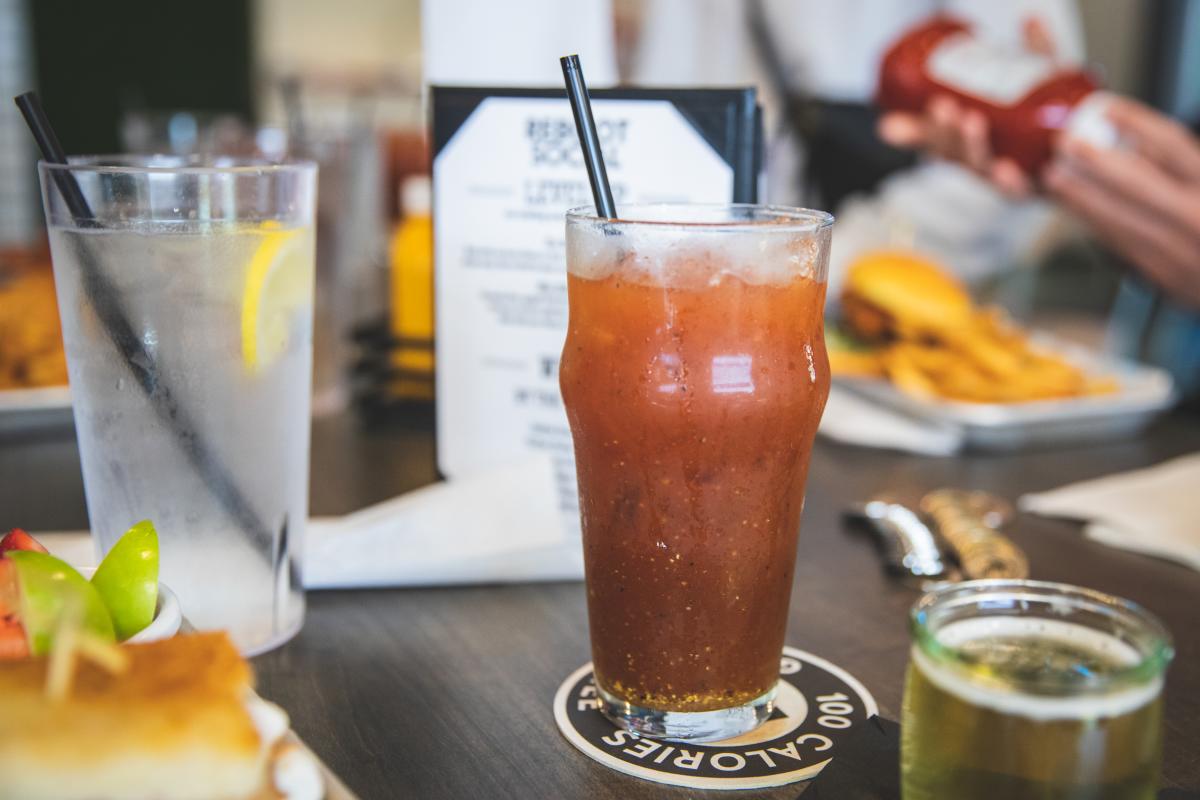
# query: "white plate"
34, 408
1144, 392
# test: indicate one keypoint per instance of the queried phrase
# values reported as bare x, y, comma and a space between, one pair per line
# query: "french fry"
905, 374
980, 357
31, 350
1104, 384
852, 363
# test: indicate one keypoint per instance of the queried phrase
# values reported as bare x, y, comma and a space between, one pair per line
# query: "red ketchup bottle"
1027, 98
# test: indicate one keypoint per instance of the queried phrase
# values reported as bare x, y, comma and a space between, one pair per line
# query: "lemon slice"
278, 282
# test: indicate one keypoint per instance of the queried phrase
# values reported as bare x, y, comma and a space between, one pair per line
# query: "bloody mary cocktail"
694, 375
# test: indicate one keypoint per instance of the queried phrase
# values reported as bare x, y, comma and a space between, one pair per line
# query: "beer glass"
694, 374
1032, 689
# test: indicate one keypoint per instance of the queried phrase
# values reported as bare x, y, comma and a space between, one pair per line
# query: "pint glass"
694, 374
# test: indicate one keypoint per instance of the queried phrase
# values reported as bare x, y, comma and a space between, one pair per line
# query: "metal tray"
1145, 392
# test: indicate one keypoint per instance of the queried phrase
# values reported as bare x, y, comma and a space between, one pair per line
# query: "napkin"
1155, 511
852, 419
500, 526
866, 767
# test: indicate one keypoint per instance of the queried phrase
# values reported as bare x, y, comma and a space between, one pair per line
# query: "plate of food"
105, 693
908, 336
33, 365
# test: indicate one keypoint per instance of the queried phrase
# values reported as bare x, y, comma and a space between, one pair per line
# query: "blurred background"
343, 83
108, 71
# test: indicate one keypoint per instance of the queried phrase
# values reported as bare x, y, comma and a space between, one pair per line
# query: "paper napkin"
1155, 511
852, 419
500, 526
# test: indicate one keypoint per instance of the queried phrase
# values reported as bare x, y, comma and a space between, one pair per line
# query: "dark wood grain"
445, 693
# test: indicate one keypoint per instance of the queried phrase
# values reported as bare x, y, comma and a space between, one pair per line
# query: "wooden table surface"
445, 693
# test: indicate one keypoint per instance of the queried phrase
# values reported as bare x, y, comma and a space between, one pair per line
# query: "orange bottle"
1028, 99
411, 257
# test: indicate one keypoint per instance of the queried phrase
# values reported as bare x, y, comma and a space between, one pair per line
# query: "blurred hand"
949, 131
1143, 201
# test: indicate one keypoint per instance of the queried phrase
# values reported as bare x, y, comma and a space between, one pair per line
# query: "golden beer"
1023, 689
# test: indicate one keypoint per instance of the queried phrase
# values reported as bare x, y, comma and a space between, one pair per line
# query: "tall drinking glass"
186, 293
1032, 689
694, 374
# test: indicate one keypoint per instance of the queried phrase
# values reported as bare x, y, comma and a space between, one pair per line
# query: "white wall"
332, 44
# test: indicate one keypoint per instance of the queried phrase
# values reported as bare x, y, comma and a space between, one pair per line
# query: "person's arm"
1143, 200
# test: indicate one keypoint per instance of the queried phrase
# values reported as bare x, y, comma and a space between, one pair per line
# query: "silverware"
967, 521
908, 545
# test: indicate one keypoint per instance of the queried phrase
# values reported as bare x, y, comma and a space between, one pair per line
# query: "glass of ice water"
186, 293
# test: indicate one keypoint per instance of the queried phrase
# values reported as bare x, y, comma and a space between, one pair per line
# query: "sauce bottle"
411, 257
1028, 99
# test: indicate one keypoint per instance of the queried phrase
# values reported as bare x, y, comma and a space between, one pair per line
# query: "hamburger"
890, 295
905, 319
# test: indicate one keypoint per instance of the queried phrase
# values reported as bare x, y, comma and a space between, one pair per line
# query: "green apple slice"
127, 579
48, 586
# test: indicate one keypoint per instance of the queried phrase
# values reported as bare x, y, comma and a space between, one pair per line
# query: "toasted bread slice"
175, 725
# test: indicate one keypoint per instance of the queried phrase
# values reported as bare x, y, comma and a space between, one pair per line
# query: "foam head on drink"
694, 374
1028, 712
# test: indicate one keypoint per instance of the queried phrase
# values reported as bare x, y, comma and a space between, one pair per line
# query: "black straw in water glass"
293, 112
43, 132
140, 361
589, 139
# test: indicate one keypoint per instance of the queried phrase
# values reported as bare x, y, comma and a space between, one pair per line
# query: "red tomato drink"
694, 375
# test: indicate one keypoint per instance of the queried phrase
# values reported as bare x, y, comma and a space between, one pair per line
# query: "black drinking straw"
589, 140
43, 132
139, 361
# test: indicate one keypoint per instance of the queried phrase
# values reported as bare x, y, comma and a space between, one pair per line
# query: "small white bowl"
167, 619
167, 615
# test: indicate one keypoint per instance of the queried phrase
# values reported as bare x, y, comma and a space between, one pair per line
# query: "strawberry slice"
17, 539
13, 643
9, 598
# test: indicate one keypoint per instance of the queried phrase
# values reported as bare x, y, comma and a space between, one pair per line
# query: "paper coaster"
817, 705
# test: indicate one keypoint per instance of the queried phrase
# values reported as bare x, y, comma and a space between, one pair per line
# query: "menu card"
507, 166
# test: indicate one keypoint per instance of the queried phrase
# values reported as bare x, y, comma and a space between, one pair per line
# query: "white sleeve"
1002, 20
694, 43
702, 43
516, 42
